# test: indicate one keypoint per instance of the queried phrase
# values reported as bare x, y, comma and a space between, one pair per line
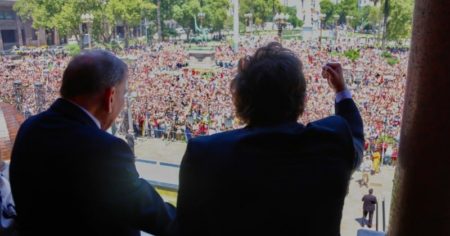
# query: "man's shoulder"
52, 125
218, 138
333, 122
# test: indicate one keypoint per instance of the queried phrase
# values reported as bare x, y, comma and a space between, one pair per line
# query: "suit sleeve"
347, 109
132, 199
189, 208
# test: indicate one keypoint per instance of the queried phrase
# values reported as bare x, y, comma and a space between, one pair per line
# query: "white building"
309, 12
363, 3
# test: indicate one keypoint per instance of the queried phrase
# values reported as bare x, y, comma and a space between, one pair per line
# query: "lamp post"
146, 25
280, 20
40, 96
88, 19
349, 19
201, 17
336, 18
322, 17
18, 95
129, 95
249, 17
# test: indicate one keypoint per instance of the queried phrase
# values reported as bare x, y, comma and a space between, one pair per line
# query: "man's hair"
92, 72
370, 191
269, 87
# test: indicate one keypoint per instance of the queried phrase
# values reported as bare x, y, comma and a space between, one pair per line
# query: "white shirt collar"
96, 121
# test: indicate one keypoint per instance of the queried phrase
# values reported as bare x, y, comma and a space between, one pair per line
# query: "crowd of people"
172, 101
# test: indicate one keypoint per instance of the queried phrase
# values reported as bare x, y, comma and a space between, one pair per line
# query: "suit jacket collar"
280, 126
72, 112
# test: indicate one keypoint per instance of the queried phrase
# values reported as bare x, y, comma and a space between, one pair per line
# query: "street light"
349, 19
281, 21
147, 25
322, 17
129, 96
336, 18
201, 16
18, 94
249, 17
40, 96
88, 19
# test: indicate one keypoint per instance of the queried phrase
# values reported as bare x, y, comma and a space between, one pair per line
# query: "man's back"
369, 202
285, 179
68, 176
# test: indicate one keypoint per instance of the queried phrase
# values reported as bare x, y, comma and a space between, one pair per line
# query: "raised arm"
345, 107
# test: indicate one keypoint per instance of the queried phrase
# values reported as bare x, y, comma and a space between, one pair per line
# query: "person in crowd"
369, 203
296, 175
69, 176
7, 206
376, 159
366, 169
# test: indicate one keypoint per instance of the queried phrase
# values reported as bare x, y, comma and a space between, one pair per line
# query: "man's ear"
108, 98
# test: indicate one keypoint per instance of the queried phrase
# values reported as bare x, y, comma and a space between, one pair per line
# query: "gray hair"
92, 72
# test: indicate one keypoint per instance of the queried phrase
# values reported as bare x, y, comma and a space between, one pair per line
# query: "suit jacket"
68, 177
287, 179
369, 202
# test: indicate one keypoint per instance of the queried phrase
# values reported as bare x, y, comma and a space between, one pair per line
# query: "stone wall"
10, 121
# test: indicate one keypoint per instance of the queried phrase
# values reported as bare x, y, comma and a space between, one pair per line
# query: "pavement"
158, 162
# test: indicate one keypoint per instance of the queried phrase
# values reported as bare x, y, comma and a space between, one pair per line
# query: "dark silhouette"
274, 176
69, 176
369, 207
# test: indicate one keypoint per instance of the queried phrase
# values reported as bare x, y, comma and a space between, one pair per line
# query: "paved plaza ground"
158, 162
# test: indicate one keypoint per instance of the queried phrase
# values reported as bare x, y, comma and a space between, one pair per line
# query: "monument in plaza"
201, 56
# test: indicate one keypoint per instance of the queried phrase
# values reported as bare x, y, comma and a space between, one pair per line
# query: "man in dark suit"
69, 176
275, 176
369, 203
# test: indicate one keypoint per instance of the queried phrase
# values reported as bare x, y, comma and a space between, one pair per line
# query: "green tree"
399, 24
367, 17
216, 13
129, 13
293, 19
346, 8
65, 15
184, 14
329, 9
262, 10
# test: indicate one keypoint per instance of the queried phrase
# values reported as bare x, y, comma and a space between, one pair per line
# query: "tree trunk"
188, 33
158, 15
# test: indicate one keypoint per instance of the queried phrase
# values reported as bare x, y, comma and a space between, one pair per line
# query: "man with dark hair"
69, 176
275, 176
369, 203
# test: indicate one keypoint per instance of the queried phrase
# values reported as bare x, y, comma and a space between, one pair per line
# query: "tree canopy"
65, 15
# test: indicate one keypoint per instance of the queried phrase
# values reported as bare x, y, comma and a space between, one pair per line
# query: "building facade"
363, 3
16, 32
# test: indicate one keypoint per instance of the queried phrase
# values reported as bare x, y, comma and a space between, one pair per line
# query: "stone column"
1, 40
421, 197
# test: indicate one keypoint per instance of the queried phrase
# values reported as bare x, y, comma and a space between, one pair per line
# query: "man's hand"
332, 71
